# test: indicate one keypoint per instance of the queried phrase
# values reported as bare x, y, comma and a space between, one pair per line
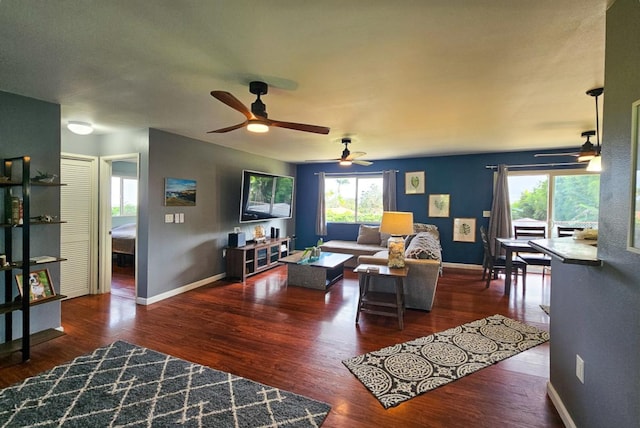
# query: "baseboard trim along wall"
461, 266
559, 405
179, 290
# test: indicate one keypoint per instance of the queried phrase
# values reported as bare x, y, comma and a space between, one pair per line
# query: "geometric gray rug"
126, 385
397, 373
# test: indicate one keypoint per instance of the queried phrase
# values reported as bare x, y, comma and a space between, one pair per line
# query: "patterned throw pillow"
368, 235
424, 246
423, 227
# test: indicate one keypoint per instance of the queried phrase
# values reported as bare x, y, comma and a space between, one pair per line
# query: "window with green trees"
555, 198
353, 199
124, 196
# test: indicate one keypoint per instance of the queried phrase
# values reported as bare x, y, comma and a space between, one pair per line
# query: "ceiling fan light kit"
257, 118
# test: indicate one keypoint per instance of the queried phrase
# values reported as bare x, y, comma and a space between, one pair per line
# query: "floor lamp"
396, 224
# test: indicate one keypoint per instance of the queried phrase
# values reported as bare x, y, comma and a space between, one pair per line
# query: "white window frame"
121, 179
357, 177
551, 173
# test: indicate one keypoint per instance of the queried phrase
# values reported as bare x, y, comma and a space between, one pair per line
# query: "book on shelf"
43, 259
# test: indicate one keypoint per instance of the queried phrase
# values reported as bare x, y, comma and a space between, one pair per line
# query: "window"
353, 199
555, 198
124, 196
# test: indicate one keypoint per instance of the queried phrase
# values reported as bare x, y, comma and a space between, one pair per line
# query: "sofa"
423, 256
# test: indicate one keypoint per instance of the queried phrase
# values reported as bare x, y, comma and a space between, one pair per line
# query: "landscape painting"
179, 192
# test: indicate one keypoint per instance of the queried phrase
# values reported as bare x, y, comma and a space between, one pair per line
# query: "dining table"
510, 246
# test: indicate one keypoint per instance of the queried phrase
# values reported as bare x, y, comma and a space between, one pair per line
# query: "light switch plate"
176, 218
486, 214
168, 218
181, 217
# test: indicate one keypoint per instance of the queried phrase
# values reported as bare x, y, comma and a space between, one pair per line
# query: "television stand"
256, 257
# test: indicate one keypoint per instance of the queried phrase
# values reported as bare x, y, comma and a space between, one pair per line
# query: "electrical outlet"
486, 214
168, 218
579, 368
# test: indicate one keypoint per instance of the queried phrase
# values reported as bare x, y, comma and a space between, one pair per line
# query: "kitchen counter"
569, 250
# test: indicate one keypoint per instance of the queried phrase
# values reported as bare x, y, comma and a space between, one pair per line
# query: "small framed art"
438, 205
40, 286
464, 229
179, 192
414, 183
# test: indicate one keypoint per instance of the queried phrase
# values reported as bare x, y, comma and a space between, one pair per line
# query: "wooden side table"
378, 303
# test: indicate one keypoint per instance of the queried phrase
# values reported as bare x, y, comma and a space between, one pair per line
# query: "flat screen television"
265, 196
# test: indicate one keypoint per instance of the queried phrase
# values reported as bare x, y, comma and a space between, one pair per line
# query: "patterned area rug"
400, 372
126, 385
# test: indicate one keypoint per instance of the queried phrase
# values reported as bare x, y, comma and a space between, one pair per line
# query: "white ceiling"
403, 78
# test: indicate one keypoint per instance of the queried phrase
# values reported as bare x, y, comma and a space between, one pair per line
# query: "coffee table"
319, 274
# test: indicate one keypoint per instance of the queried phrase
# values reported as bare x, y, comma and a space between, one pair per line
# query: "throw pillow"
424, 246
423, 227
384, 238
368, 235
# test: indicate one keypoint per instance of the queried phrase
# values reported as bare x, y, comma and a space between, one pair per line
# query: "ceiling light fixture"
80, 128
595, 164
257, 126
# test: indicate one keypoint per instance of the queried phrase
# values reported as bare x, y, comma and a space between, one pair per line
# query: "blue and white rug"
400, 372
126, 385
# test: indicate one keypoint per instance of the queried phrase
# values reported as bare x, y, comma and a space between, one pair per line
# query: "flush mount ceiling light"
80, 128
595, 163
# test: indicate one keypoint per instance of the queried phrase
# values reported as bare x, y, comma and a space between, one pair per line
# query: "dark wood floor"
295, 338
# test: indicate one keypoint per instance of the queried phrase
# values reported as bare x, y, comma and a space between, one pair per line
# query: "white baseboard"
179, 290
559, 405
461, 266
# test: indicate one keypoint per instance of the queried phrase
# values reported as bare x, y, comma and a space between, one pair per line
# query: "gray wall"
179, 254
31, 127
595, 312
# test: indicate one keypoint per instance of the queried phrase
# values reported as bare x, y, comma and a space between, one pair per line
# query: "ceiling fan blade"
232, 102
541, 155
300, 127
362, 162
354, 155
228, 128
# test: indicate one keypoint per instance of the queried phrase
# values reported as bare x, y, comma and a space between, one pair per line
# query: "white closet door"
78, 207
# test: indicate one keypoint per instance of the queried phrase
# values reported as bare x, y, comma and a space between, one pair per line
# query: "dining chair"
567, 231
491, 264
534, 259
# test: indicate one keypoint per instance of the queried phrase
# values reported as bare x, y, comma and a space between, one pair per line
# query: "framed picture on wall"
464, 229
179, 192
414, 183
39, 285
438, 205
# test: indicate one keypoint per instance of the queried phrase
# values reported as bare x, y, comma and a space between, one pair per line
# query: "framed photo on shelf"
179, 192
464, 229
39, 283
414, 183
438, 205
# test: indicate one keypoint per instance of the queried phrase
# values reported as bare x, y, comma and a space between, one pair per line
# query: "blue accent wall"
464, 177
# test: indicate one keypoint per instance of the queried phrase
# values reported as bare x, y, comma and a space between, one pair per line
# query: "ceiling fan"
587, 149
347, 158
257, 120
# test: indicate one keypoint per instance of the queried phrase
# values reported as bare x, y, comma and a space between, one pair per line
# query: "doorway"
118, 224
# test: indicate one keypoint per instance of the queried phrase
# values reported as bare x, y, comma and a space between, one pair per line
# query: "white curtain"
321, 219
500, 221
389, 190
